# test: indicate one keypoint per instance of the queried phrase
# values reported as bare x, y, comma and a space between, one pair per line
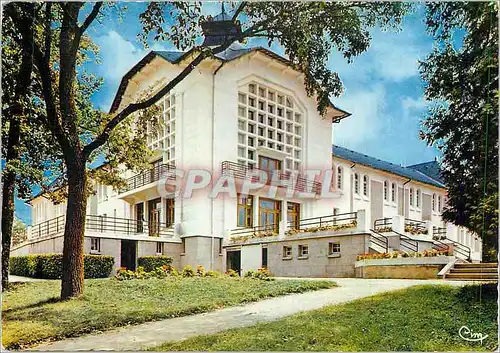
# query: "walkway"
15, 279
154, 333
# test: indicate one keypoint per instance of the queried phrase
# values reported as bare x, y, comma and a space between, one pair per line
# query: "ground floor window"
245, 211
303, 250
269, 214
287, 251
333, 248
95, 244
159, 248
293, 215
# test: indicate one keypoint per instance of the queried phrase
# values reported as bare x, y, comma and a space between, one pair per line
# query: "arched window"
339, 177
365, 185
356, 183
393, 192
386, 190
433, 202
418, 198
411, 196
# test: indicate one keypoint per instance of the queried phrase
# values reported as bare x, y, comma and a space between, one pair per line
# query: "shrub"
150, 263
261, 273
212, 274
232, 273
187, 271
200, 271
49, 266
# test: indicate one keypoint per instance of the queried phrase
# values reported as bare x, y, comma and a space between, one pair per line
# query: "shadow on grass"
32, 305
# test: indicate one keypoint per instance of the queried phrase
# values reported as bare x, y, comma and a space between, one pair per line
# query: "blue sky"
382, 87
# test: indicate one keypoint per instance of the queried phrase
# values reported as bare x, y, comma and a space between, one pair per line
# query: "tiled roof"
431, 169
376, 163
174, 57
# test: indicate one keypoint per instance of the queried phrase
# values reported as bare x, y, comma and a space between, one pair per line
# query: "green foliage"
422, 318
150, 263
462, 85
19, 232
187, 271
232, 273
49, 266
261, 273
32, 311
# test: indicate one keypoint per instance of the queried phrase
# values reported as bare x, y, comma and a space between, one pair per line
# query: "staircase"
473, 272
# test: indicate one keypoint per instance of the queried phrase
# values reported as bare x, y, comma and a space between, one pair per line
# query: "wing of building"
240, 115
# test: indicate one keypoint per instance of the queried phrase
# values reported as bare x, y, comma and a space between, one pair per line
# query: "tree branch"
91, 17
134, 107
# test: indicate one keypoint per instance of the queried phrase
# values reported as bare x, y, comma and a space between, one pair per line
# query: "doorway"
233, 261
139, 217
154, 207
269, 214
128, 254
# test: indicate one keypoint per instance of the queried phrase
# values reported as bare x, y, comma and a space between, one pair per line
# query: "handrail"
156, 173
257, 230
301, 183
102, 224
379, 240
407, 242
382, 222
330, 220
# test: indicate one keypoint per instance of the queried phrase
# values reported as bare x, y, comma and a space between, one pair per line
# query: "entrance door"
128, 254
269, 214
233, 261
376, 201
139, 212
154, 207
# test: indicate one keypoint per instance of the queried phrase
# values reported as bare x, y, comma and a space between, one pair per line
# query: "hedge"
49, 266
151, 263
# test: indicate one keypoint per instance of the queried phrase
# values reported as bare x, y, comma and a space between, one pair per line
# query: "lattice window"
271, 119
164, 138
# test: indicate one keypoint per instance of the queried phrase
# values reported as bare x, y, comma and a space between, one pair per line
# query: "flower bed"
401, 254
384, 229
244, 238
414, 230
439, 237
336, 227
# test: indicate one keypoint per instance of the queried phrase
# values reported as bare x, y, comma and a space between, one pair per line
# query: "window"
245, 211
287, 251
183, 245
333, 248
339, 177
433, 202
411, 196
439, 203
356, 183
220, 246
269, 164
159, 248
95, 244
279, 122
418, 198
269, 214
264, 257
386, 190
393, 192
303, 250
293, 215
365, 185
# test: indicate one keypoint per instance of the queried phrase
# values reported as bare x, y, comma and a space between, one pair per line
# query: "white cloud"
366, 123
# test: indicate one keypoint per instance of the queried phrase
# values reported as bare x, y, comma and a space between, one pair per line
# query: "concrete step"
474, 270
479, 265
472, 276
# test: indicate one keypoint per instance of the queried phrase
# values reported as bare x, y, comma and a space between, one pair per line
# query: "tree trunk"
9, 182
72, 272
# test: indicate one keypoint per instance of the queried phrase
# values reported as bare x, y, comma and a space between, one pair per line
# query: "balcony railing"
414, 226
104, 224
159, 172
342, 220
283, 179
256, 232
438, 233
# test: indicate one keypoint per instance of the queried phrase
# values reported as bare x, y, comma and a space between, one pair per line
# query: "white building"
245, 109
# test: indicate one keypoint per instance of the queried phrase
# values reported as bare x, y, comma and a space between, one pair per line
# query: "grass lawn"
32, 312
423, 318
